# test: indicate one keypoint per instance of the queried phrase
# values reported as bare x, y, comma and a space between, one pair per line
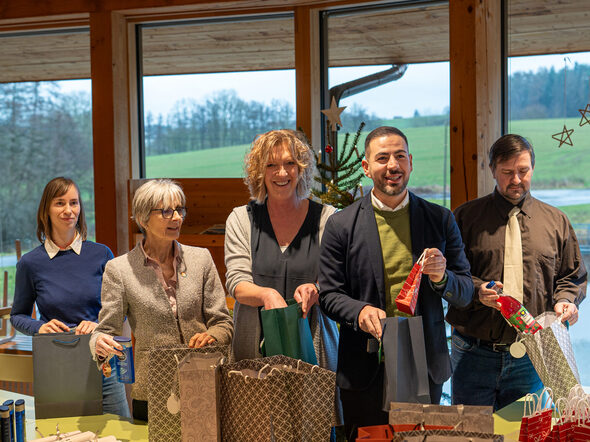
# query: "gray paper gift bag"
552, 355
199, 398
66, 381
460, 417
406, 372
163, 391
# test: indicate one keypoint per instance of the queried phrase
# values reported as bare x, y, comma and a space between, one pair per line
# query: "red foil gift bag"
536, 421
408, 296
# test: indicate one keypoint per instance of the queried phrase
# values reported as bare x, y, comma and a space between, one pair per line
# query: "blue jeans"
482, 376
114, 399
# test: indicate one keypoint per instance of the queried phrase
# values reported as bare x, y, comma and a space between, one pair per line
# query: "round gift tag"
517, 349
173, 403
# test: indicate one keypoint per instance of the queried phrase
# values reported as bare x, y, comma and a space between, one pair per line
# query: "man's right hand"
370, 320
489, 297
54, 326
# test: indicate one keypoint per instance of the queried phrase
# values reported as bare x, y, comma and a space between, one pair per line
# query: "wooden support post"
307, 72
112, 117
476, 98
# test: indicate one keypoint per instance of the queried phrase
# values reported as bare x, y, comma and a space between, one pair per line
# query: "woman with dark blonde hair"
63, 276
272, 244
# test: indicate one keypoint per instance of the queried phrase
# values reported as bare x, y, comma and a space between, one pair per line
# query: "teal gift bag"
287, 333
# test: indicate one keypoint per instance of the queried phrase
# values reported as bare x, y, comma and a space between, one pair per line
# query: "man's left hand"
569, 310
435, 265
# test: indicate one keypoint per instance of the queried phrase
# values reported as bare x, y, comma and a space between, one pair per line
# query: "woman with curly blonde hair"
272, 244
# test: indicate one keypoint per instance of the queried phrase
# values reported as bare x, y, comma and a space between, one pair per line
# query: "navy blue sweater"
66, 287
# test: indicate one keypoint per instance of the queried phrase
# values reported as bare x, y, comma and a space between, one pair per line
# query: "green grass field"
565, 167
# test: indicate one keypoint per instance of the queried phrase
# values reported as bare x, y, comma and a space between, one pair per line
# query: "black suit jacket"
352, 276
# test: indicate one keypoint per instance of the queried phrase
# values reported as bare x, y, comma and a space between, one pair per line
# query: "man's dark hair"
508, 146
384, 131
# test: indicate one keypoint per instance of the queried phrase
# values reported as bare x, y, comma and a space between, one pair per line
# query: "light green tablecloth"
104, 425
506, 421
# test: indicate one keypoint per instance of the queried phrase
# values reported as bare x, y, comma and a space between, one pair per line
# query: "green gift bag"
287, 333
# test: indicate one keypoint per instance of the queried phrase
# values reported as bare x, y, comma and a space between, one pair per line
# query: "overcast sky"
424, 87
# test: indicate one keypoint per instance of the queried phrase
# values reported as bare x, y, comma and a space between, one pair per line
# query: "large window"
390, 79
418, 104
233, 80
45, 131
545, 92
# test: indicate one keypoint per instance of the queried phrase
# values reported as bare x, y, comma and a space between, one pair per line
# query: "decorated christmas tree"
340, 170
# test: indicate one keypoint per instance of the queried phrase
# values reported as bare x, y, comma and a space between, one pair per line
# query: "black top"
298, 264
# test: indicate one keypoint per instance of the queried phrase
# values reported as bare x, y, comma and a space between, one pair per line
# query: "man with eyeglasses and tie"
530, 249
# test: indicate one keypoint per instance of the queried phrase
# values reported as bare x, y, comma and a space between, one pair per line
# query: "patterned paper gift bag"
552, 355
199, 399
458, 417
276, 398
408, 296
164, 394
445, 436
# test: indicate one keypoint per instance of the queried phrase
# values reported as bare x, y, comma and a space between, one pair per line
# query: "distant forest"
45, 133
224, 119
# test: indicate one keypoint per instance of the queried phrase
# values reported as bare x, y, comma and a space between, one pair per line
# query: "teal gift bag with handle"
287, 333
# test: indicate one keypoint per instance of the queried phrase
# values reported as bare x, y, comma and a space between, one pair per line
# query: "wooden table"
16, 360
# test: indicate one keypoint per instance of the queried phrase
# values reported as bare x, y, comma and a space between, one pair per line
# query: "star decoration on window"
564, 136
333, 114
584, 119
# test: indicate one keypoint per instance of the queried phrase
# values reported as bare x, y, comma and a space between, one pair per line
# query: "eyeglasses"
169, 213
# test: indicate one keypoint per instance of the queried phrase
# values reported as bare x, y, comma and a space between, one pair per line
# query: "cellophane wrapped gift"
276, 398
163, 424
459, 417
552, 355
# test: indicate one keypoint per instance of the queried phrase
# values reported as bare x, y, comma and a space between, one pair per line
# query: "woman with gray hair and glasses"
171, 293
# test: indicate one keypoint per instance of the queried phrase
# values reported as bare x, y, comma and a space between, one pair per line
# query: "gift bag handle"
530, 404
548, 400
422, 258
312, 368
63, 342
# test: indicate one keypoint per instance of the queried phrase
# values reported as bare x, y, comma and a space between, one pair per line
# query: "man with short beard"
541, 266
367, 251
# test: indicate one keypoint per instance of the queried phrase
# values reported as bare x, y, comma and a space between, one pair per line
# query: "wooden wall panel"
111, 127
475, 118
307, 73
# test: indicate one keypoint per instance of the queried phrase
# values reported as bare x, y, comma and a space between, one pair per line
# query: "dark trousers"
140, 410
365, 407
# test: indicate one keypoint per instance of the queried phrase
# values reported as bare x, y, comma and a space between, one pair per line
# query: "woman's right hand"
273, 299
54, 326
106, 345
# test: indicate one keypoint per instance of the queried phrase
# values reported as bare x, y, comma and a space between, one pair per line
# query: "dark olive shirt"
553, 268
